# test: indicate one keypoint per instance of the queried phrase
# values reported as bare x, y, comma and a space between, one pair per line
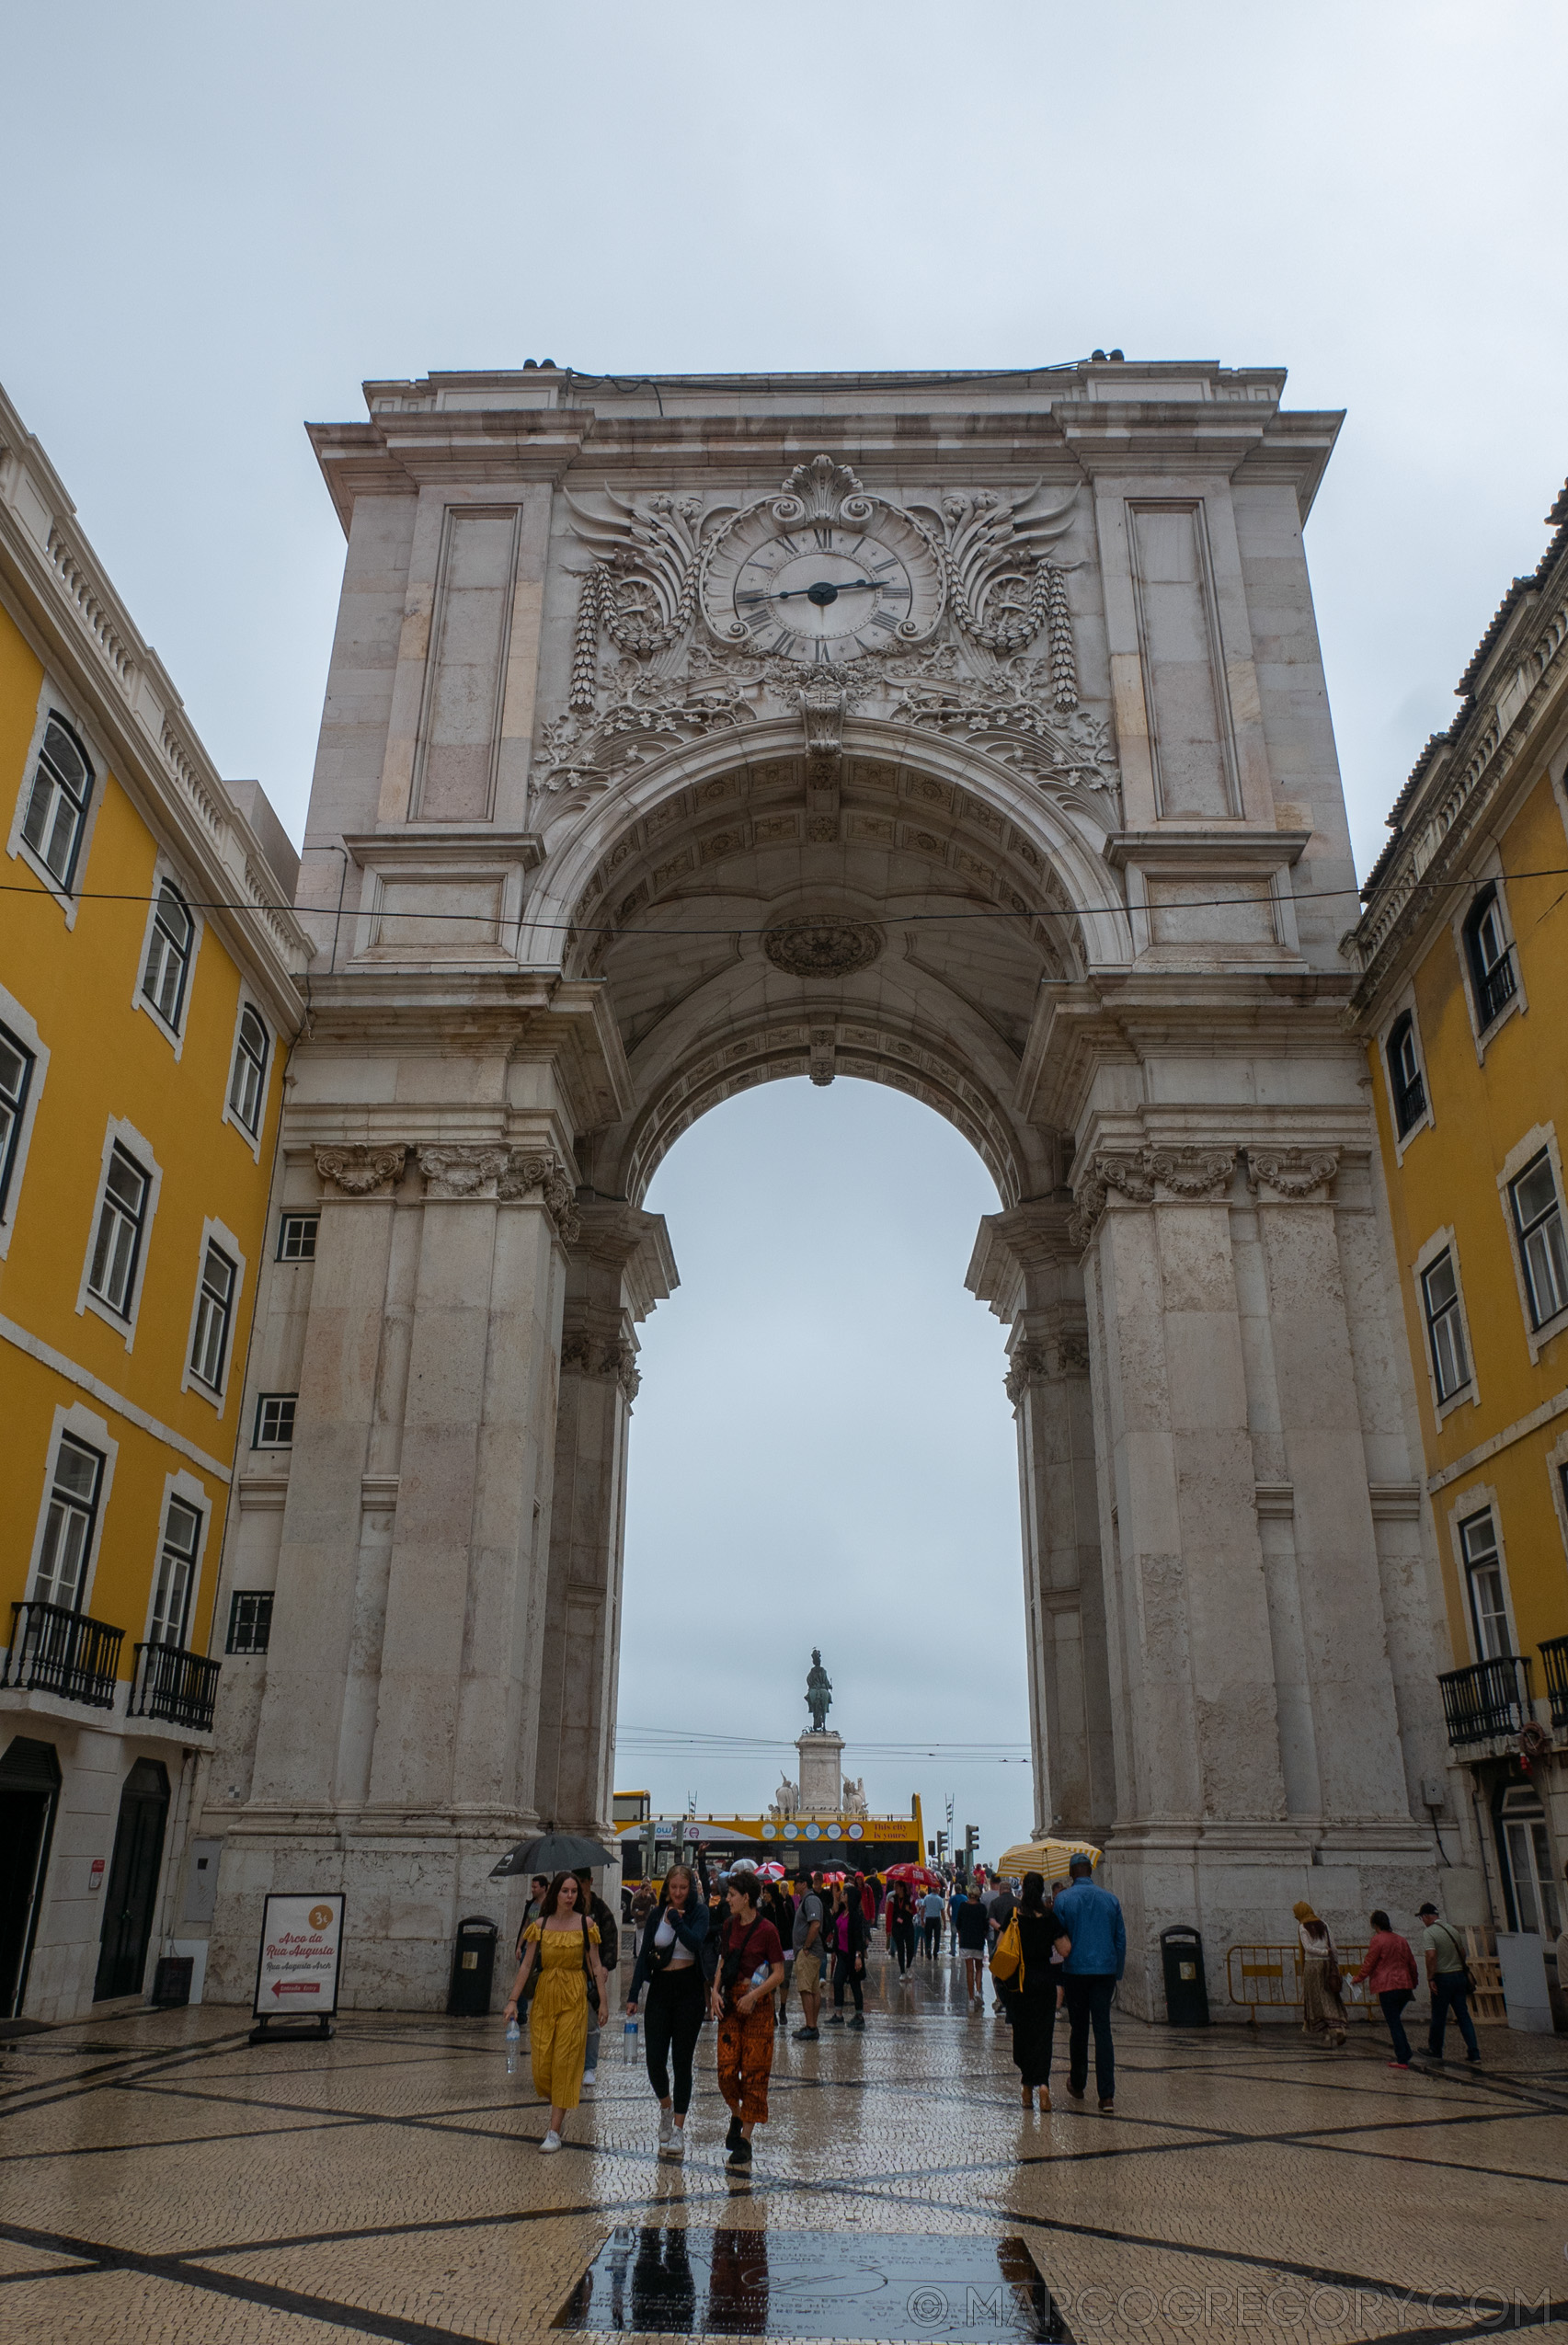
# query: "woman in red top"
1390, 1970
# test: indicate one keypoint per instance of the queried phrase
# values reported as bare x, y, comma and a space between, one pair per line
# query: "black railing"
173, 1683
1495, 986
1554, 1655
1492, 1698
57, 1651
1410, 1103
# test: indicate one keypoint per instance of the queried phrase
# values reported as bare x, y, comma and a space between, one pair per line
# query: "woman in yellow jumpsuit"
566, 1945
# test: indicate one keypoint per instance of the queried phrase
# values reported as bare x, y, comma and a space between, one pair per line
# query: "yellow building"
1463, 998
147, 1005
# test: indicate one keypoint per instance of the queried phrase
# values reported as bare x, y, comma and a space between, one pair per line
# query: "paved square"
161, 2180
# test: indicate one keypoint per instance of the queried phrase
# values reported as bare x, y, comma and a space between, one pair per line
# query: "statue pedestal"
822, 1772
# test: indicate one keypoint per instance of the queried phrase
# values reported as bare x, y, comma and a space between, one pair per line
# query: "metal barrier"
1269, 1978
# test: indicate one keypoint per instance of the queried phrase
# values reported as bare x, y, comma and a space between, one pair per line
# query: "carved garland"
1293, 1173
360, 1170
602, 1356
503, 1173
1186, 1172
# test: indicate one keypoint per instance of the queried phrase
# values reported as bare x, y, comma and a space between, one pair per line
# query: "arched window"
1491, 957
168, 956
247, 1085
57, 811
1404, 1075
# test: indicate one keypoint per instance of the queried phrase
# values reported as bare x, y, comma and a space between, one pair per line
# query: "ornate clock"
822, 575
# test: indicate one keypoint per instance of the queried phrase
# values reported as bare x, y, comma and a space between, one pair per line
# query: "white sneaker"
674, 2149
551, 2141
666, 2124
590, 2076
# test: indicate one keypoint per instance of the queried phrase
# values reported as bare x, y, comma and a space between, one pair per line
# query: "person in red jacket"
1390, 1970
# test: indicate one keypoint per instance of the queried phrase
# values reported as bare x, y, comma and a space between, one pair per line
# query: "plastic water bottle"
629, 2038
760, 1973
514, 2037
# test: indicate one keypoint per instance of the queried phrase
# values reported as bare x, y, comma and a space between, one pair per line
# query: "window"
176, 1574
168, 954
250, 1621
1483, 1569
1405, 1074
247, 1085
274, 1420
117, 1249
1527, 1851
1538, 1218
58, 807
15, 1075
214, 1310
1491, 957
1445, 1326
69, 1524
297, 1237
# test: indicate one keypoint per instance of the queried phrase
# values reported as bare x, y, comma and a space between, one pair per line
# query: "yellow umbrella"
1049, 1858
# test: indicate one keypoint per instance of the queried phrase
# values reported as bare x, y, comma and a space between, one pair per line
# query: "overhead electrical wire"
735, 927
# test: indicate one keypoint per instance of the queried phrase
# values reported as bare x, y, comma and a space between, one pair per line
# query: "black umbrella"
554, 1852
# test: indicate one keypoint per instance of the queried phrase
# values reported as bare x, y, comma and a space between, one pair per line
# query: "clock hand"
850, 586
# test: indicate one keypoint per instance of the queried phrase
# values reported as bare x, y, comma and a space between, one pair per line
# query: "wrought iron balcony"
173, 1683
1492, 1698
57, 1651
1496, 987
1555, 1656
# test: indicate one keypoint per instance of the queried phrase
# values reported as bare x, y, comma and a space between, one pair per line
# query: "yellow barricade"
1269, 1977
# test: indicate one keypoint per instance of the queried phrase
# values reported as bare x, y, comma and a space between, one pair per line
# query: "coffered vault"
965, 734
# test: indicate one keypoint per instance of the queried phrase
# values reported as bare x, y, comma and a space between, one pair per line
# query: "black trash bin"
1186, 1990
473, 1968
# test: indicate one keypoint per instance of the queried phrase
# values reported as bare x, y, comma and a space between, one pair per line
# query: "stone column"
1025, 1268
1192, 1662
618, 1267
315, 1603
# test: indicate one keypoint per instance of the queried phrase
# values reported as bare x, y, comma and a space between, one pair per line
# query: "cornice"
1111, 1020
400, 454
66, 606
1463, 788
526, 1014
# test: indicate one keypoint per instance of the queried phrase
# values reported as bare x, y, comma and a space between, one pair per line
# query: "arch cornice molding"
773, 1047
1063, 827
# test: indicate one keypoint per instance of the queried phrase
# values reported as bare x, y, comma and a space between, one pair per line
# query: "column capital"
583, 1353
1192, 1175
1291, 1175
360, 1170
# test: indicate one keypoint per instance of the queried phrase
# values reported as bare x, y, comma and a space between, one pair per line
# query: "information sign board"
301, 1952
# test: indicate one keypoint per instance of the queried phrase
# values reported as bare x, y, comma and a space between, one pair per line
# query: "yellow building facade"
148, 1003
1463, 999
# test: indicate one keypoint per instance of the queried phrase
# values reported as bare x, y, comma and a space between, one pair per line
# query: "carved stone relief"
360, 1170
1290, 1176
595, 1356
1137, 1174
987, 653
823, 948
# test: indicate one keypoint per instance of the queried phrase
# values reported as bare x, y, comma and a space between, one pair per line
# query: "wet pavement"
161, 2181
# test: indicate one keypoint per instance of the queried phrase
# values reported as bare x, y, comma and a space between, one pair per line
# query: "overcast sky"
221, 221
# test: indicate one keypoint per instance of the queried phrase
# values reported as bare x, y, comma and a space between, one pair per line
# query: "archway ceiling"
673, 921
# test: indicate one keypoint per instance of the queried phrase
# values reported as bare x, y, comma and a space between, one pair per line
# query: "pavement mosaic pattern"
162, 2182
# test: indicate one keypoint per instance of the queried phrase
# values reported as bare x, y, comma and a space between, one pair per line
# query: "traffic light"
941, 1848
971, 1843
931, 1848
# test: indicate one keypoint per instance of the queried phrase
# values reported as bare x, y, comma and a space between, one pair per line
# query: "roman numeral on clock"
889, 619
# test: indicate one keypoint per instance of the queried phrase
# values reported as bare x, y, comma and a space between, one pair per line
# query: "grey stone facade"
1035, 815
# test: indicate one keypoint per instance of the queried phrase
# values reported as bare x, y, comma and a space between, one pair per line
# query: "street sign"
297, 1967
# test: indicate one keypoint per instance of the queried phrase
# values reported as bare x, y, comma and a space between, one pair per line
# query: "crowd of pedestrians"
730, 1948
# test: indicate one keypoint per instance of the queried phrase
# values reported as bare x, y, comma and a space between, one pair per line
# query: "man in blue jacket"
1093, 1941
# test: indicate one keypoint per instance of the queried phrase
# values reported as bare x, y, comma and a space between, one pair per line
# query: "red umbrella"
915, 1876
770, 1872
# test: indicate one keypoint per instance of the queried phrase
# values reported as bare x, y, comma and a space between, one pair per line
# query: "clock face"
822, 592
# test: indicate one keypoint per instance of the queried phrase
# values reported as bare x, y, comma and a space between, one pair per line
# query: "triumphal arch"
963, 733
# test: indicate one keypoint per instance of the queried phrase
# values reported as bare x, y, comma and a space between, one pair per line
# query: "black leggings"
903, 1936
933, 1936
845, 1974
675, 2001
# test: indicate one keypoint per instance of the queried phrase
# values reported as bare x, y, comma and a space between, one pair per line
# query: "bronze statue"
819, 1693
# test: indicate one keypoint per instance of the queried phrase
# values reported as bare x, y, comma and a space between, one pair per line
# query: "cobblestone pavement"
161, 2180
